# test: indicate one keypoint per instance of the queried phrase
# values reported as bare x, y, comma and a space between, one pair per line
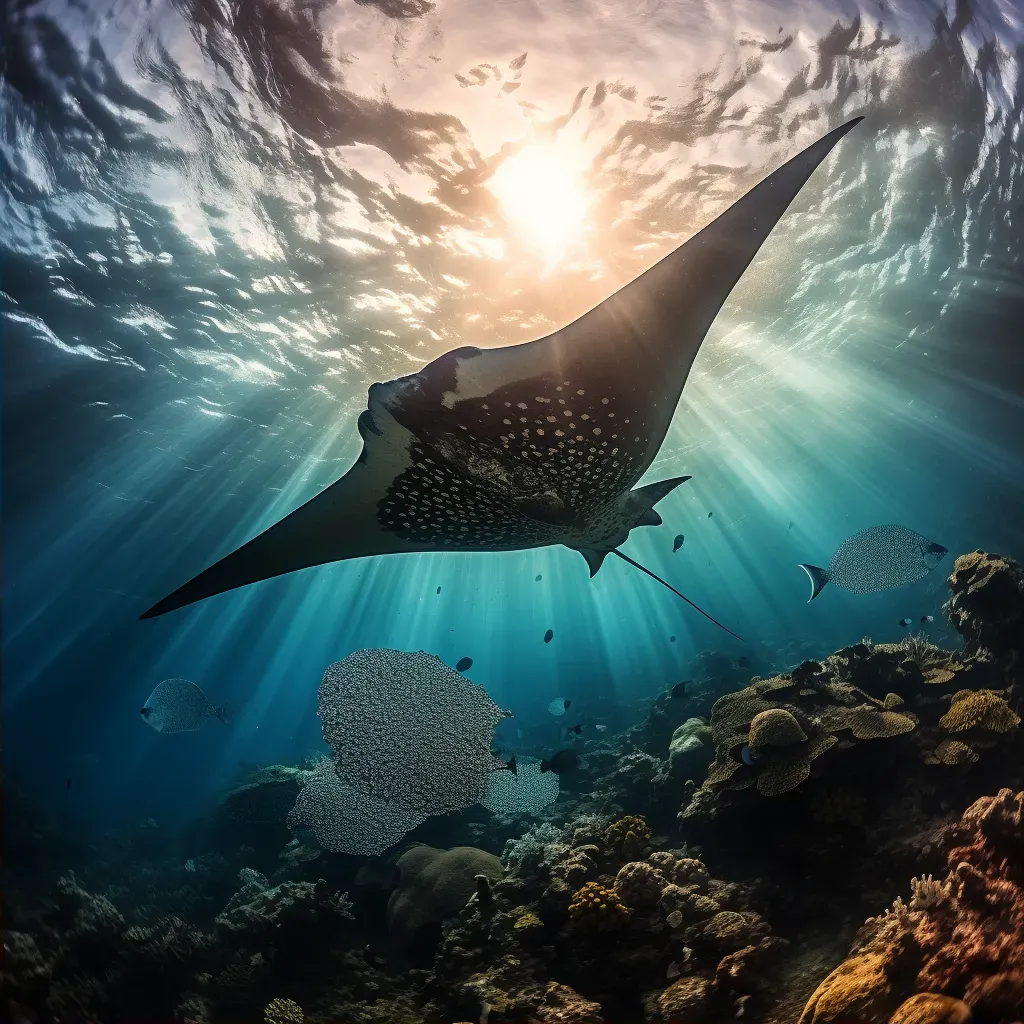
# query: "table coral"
983, 709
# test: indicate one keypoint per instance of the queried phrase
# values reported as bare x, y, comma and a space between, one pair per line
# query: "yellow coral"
983, 709
892, 701
283, 1011
785, 771
954, 752
526, 920
854, 990
597, 907
629, 830
931, 1008
775, 728
867, 723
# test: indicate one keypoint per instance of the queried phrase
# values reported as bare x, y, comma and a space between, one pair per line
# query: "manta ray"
531, 444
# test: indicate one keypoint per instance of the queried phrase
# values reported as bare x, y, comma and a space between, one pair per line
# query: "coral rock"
684, 1000
597, 908
930, 1008
639, 884
283, 1011
987, 606
852, 990
775, 727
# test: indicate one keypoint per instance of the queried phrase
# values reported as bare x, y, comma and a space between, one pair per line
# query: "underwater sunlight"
343, 344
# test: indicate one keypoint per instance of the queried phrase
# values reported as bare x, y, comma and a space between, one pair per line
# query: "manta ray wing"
510, 448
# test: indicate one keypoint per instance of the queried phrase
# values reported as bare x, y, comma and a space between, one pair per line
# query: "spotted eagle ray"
531, 444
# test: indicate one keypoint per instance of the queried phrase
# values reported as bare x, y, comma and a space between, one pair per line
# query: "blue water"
218, 229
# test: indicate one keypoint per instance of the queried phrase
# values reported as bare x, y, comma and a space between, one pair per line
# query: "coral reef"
813, 790
956, 950
435, 884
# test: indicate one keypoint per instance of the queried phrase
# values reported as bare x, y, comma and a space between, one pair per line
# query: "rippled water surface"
222, 221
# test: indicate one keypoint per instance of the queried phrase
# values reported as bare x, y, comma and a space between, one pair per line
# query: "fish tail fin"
696, 607
229, 711
545, 766
221, 713
818, 577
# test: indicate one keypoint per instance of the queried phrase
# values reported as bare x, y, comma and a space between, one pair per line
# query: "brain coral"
408, 730
527, 791
775, 727
639, 884
435, 884
983, 709
345, 819
852, 991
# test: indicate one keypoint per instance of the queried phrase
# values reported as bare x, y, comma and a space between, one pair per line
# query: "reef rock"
958, 939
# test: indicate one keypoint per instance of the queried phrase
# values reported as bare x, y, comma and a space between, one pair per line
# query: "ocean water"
220, 224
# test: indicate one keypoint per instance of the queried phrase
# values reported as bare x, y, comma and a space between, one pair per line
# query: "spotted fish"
178, 705
878, 558
532, 444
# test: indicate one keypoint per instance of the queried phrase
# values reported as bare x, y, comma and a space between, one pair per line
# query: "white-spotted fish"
559, 706
878, 558
178, 705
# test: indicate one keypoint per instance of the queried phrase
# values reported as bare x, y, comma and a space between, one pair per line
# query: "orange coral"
597, 907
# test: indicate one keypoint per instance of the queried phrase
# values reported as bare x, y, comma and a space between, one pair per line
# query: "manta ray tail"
654, 576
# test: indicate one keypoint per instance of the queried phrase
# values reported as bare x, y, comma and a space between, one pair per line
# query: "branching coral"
283, 1011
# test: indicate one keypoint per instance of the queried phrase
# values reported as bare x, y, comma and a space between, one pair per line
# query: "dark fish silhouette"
560, 763
679, 690
549, 636
510, 765
905, 621
710, 514
878, 558
439, 590
533, 444
671, 639
537, 578
927, 618
463, 664
677, 543
67, 783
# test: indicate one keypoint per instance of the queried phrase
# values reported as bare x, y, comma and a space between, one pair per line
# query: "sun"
543, 196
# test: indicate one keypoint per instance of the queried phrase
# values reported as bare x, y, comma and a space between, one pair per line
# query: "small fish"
746, 754
878, 558
67, 783
573, 730
560, 763
677, 543
927, 618
439, 590
671, 639
178, 705
672, 971
678, 692
537, 578
190, 865
559, 706
743, 662
463, 664
906, 621
790, 527
549, 636
601, 728
710, 514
